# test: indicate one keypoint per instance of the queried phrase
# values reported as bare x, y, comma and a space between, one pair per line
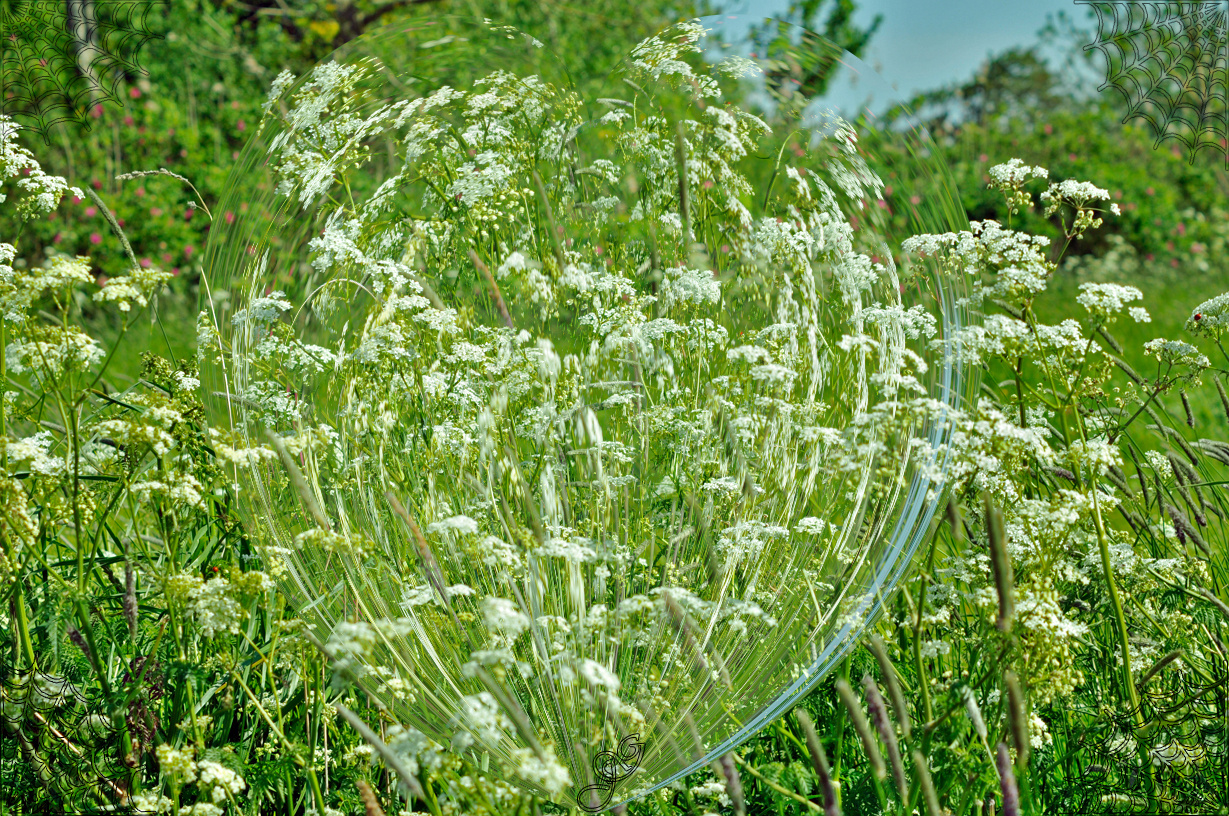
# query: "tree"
800, 61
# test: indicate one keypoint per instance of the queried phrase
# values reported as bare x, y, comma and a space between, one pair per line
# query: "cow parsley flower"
262, 309
1106, 300
177, 765
1210, 317
504, 616
280, 83
551, 774
51, 351
136, 287
219, 780
1177, 353
214, 608
17, 162
1014, 173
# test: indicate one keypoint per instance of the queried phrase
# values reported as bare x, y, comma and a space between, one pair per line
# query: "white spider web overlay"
1170, 60
40, 76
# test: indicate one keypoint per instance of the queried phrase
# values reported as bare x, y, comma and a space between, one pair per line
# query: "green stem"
922, 682
23, 623
1116, 602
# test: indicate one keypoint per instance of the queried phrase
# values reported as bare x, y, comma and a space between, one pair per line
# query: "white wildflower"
1105, 300
1211, 316
504, 616
220, 780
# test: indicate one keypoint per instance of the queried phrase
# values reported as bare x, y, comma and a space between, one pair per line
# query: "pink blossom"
97, 184
230, 217
155, 211
188, 250
166, 257
1048, 128
915, 200
140, 192
145, 263
128, 121
95, 238
90, 212
241, 125
135, 93
77, 199
1182, 229
187, 216
97, 112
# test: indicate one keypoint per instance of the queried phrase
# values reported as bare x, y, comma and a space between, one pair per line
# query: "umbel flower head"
629, 423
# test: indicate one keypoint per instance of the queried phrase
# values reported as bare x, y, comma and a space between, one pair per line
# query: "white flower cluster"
1015, 172
136, 287
177, 489
219, 781
1077, 192
1210, 317
1177, 353
214, 607
51, 351
566, 378
1106, 300
34, 452
17, 162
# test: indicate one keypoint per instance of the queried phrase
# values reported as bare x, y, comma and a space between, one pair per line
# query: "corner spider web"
41, 53
1170, 60
1188, 749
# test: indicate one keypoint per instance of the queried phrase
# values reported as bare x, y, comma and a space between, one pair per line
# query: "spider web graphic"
1170, 60
39, 57
1187, 744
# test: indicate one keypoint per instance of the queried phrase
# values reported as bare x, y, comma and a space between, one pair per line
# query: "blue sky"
923, 44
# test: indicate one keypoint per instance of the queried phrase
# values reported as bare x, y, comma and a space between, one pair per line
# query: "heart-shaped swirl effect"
588, 419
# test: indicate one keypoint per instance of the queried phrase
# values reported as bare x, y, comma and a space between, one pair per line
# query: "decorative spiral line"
611, 768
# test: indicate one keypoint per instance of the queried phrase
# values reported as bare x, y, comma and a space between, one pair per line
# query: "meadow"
1058, 644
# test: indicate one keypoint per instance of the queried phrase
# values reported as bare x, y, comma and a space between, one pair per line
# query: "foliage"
129, 579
